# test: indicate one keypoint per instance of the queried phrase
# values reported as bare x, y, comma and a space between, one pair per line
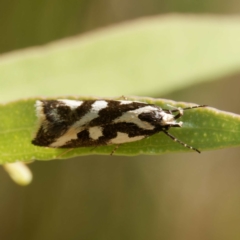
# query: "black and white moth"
71, 124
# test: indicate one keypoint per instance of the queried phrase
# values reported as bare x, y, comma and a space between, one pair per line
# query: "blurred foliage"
29, 23
149, 56
180, 196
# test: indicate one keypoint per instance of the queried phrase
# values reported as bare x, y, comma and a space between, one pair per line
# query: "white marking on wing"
122, 102
71, 134
132, 117
124, 138
73, 104
95, 132
93, 113
99, 105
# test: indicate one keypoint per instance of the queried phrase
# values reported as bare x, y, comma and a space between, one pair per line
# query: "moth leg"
180, 113
94, 148
114, 150
123, 98
63, 153
182, 143
179, 110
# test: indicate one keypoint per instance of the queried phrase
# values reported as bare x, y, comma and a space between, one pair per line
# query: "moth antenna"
93, 148
176, 109
171, 106
181, 110
197, 106
182, 143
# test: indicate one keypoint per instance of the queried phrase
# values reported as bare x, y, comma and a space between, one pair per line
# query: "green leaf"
147, 57
204, 128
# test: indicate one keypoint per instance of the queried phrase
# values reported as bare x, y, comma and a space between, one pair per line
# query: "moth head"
169, 120
159, 117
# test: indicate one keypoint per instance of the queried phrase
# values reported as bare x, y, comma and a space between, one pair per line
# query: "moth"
67, 123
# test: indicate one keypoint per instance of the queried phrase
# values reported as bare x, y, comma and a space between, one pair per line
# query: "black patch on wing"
109, 132
114, 110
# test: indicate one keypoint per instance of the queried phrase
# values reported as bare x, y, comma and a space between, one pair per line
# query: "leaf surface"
203, 128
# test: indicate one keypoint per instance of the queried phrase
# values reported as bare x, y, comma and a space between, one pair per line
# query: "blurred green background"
174, 197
